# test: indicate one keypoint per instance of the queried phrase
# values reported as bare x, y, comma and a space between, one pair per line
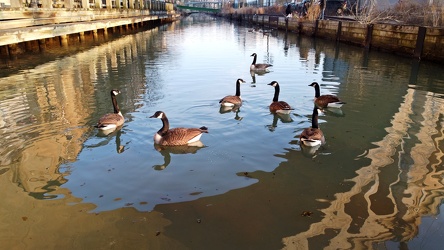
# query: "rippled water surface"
376, 183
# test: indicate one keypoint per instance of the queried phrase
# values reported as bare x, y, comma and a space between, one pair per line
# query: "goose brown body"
233, 100
278, 106
111, 120
258, 66
325, 101
176, 136
313, 136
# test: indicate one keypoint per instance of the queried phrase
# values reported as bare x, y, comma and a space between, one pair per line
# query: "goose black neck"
317, 91
165, 125
254, 59
276, 93
115, 106
238, 88
314, 118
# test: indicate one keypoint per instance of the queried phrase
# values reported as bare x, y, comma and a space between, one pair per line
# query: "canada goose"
176, 136
111, 120
258, 66
325, 101
233, 100
277, 106
313, 136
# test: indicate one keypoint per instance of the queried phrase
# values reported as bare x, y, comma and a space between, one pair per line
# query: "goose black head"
158, 114
273, 83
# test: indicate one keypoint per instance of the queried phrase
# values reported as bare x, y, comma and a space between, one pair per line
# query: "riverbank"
423, 43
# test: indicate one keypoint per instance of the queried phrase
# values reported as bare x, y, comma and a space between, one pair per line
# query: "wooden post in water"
316, 28
4, 51
338, 33
13, 49
32, 46
64, 40
42, 45
105, 33
108, 4
95, 35
82, 36
368, 36
286, 25
420, 42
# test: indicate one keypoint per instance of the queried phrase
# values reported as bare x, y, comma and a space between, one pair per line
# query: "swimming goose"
325, 101
111, 120
258, 66
176, 136
313, 136
233, 100
277, 106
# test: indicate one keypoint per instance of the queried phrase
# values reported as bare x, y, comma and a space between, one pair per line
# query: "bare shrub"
409, 13
368, 12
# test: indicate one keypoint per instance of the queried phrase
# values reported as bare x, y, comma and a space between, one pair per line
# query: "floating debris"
306, 213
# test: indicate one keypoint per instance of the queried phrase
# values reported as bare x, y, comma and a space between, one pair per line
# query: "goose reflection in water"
310, 152
284, 118
166, 152
259, 73
103, 133
106, 133
235, 109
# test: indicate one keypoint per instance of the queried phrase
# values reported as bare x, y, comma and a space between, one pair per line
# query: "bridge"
214, 7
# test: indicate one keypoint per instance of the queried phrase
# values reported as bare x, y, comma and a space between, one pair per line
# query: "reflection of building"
52, 108
402, 183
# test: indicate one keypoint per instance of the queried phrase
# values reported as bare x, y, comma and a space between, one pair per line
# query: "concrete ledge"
20, 35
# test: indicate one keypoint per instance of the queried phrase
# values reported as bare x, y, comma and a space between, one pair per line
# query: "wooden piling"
63, 40
420, 42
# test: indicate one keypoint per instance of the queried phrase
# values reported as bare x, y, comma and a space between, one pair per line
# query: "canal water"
377, 183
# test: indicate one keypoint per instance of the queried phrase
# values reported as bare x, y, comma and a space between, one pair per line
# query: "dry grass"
408, 14
313, 12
